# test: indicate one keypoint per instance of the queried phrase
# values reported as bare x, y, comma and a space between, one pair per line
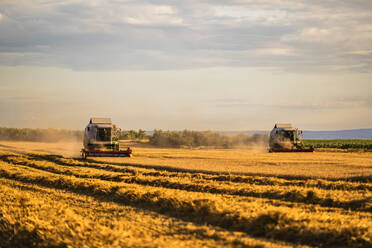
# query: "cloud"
334, 103
298, 36
361, 52
276, 51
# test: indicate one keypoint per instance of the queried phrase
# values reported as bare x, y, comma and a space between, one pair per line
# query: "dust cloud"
286, 144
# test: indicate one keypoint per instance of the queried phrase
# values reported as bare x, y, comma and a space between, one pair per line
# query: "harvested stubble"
200, 209
313, 193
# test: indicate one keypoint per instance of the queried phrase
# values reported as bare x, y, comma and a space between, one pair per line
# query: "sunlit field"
183, 198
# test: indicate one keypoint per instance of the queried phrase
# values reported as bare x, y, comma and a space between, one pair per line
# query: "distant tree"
141, 134
132, 134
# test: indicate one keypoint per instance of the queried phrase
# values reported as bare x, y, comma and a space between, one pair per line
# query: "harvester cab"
285, 138
101, 140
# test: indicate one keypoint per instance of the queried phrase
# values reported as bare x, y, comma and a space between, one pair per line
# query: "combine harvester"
101, 140
285, 138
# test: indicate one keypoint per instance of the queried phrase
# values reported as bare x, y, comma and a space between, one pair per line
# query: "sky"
174, 65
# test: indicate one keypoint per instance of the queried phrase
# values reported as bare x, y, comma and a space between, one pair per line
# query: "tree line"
159, 137
56, 135
188, 138
37, 134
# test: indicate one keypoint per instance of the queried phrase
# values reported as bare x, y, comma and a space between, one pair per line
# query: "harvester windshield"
288, 134
103, 134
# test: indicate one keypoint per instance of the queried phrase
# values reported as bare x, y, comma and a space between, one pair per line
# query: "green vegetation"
132, 134
188, 138
56, 135
363, 144
46, 135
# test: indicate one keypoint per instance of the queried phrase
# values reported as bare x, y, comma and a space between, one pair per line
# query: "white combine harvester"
285, 138
101, 140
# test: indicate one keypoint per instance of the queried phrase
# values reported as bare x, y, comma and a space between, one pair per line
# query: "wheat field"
183, 198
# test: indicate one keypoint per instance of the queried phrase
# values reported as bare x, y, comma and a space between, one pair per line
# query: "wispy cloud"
150, 34
351, 102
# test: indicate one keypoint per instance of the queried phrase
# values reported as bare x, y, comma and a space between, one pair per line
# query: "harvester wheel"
83, 155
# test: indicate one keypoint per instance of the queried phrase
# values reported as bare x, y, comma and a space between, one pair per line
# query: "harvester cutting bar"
310, 149
97, 153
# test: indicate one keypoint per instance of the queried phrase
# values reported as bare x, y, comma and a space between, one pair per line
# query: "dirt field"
183, 198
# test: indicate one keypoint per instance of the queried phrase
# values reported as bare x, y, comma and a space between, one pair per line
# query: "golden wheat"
155, 199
